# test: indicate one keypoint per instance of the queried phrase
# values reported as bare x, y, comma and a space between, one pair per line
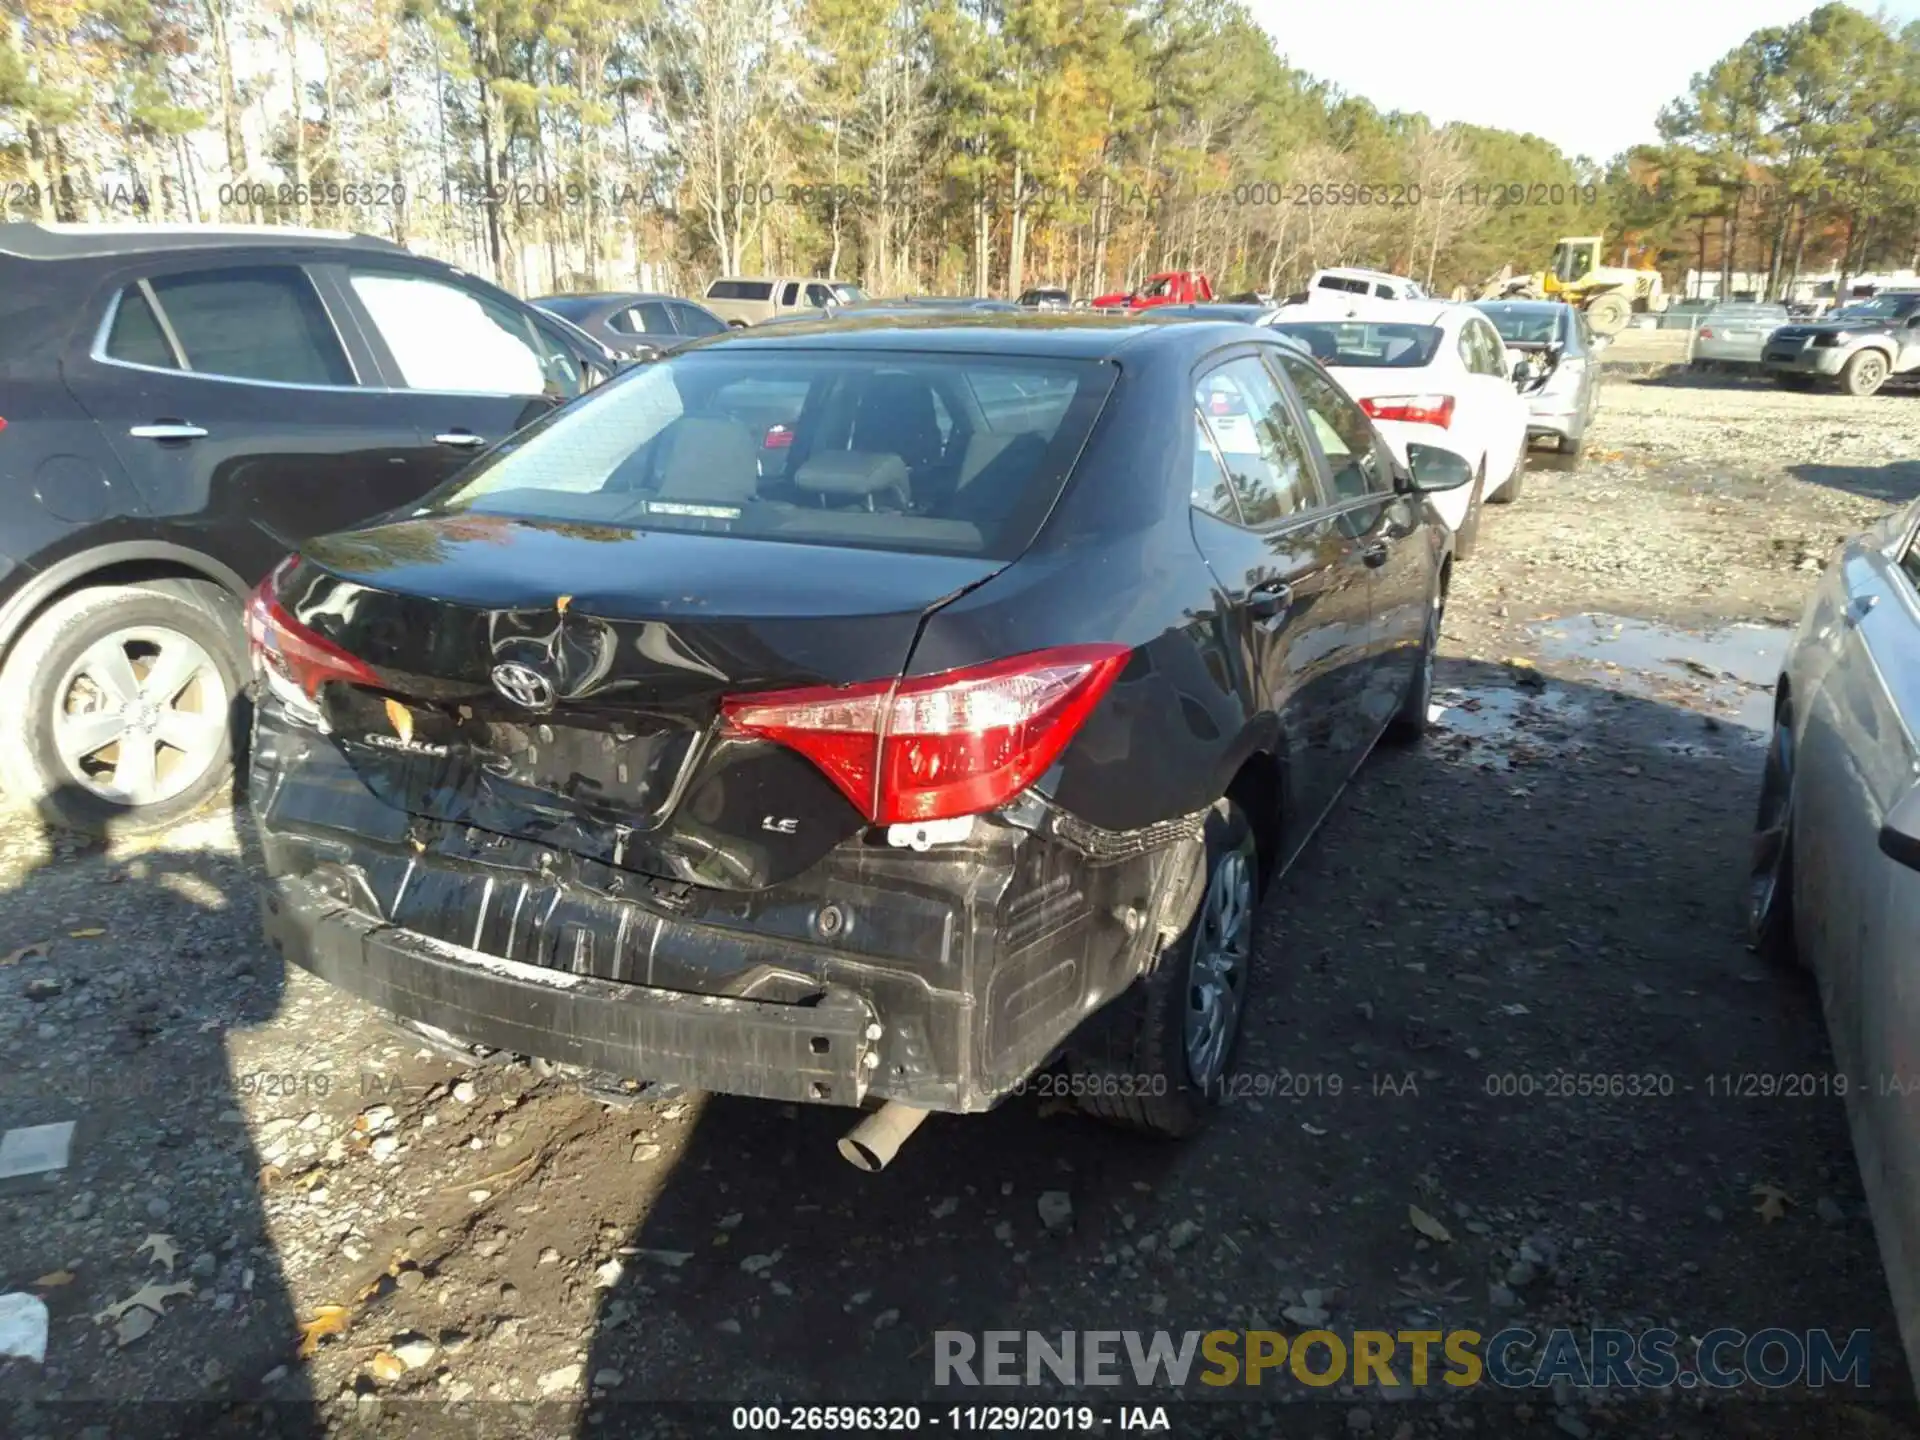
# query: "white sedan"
1431, 372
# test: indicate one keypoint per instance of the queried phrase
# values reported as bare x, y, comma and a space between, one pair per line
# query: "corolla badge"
524, 686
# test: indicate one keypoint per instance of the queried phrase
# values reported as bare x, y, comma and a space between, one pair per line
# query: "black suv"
181, 407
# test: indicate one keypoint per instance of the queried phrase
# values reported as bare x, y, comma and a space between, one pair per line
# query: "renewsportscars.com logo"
1514, 1359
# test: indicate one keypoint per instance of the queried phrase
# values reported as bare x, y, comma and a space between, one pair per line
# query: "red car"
1170, 287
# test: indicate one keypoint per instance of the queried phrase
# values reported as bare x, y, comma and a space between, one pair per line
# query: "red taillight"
1414, 409
779, 437
1705, 334
281, 646
934, 747
3, 422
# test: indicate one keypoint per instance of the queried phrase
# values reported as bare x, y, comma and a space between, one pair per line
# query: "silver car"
1559, 371
1735, 333
1835, 877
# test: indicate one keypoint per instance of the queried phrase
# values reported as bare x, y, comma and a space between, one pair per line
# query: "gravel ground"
1546, 887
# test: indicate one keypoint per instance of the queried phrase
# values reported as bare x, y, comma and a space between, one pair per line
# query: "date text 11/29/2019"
841, 1419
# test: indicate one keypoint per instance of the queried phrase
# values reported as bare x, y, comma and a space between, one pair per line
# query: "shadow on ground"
121, 1027
1483, 920
1895, 483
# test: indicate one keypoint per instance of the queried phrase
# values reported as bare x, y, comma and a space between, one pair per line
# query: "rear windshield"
568, 307
950, 454
1732, 313
1534, 325
1366, 344
740, 290
1341, 282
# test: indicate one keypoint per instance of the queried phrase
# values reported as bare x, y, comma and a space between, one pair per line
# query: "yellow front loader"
1609, 294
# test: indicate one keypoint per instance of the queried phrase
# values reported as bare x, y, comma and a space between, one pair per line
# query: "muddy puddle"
1712, 693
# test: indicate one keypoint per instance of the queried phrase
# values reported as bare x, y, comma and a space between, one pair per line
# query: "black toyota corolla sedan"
870, 711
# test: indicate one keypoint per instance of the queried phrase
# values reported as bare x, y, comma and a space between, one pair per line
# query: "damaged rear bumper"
941, 979
822, 1052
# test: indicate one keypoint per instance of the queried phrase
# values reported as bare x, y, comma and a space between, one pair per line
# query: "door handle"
1270, 601
1375, 554
168, 430
463, 439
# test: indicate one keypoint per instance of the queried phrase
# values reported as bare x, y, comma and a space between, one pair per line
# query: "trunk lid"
561, 682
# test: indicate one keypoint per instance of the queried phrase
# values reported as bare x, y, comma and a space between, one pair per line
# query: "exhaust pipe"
872, 1144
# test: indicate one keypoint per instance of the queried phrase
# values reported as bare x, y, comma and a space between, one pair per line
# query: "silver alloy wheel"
140, 715
1217, 969
1770, 834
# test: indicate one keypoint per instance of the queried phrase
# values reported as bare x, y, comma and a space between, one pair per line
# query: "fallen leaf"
88, 933
53, 1278
386, 1367
560, 605
1773, 1202
270, 1175
38, 947
165, 1252
327, 1320
150, 1296
402, 719
132, 1325
1428, 1226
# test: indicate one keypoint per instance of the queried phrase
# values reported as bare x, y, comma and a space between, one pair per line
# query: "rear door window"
791, 295
135, 336
446, 338
886, 450
1347, 438
240, 323
692, 320
1269, 468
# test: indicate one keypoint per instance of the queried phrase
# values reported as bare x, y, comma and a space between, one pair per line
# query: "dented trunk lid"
561, 683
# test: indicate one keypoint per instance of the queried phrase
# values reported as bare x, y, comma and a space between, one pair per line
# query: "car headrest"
852, 474
708, 458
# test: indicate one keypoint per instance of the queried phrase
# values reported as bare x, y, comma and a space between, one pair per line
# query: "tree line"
943, 146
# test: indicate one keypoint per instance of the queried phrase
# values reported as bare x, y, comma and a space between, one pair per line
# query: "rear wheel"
1770, 878
1411, 722
1510, 492
1467, 538
1159, 1065
1865, 373
120, 705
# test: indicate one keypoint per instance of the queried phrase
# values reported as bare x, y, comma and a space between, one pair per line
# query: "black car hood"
1808, 328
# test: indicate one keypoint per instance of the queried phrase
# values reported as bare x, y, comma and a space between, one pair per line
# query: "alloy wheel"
1771, 828
1217, 968
140, 716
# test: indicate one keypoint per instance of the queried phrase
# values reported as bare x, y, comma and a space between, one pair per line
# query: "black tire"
1132, 1068
1467, 538
1409, 723
1570, 447
1510, 492
1865, 372
30, 765
1769, 896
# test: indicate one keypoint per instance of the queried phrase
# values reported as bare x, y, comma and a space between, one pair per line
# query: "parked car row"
793, 644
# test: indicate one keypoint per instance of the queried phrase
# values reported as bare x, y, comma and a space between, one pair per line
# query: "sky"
1488, 62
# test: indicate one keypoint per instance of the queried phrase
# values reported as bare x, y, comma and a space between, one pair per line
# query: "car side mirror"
1519, 372
1900, 832
1434, 469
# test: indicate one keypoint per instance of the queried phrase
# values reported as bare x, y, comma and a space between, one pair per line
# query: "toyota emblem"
524, 686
